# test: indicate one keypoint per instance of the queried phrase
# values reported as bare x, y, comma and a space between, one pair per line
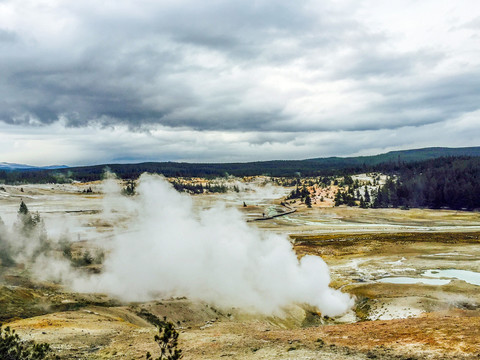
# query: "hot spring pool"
470, 277
411, 280
436, 277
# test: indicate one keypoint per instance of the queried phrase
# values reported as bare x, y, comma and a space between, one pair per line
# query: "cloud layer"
265, 79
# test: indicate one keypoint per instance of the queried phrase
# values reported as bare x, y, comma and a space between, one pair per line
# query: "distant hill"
13, 166
405, 156
446, 182
308, 167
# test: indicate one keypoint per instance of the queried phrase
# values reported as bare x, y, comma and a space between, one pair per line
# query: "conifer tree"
23, 209
167, 340
367, 195
308, 201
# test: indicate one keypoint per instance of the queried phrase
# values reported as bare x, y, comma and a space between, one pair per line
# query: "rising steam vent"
211, 255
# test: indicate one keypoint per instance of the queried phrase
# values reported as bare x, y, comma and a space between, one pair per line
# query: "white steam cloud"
211, 255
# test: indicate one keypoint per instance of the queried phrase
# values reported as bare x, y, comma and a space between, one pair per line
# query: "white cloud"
94, 144
223, 81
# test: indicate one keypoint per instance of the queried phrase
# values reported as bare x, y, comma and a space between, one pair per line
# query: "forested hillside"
443, 182
448, 181
279, 168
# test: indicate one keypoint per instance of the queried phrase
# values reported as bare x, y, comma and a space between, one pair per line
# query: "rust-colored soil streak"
453, 333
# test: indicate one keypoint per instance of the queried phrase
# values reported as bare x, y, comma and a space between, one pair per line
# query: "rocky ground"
361, 247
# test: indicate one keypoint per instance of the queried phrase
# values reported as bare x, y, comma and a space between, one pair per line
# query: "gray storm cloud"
284, 70
224, 65
211, 255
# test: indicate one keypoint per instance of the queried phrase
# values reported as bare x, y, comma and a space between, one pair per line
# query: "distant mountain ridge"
404, 155
308, 167
13, 166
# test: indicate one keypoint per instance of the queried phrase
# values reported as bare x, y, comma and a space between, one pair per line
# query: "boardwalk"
290, 211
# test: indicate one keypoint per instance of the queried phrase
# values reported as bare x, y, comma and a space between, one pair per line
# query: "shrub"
167, 340
13, 348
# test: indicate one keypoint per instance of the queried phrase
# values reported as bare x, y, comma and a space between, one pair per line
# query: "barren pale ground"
390, 260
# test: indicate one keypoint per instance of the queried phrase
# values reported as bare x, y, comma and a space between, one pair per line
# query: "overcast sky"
88, 82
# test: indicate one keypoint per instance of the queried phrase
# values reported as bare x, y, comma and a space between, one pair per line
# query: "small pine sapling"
167, 340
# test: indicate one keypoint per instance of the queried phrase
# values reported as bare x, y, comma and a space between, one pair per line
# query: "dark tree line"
440, 183
298, 193
345, 198
183, 170
351, 193
451, 182
332, 166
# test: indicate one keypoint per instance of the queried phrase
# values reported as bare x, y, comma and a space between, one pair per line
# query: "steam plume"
210, 255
